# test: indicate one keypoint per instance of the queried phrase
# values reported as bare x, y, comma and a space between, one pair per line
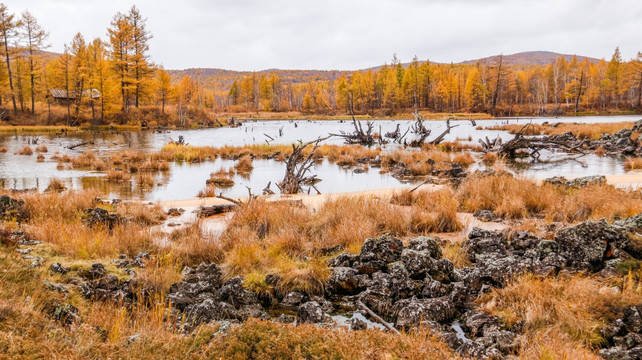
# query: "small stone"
311, 313
357, 324
293, 298
58, 269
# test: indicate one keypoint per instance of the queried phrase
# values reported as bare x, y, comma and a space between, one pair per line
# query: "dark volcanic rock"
58, 268
386, 249
411, 312
65, 313
97, 270
343, 280
426, 244
417, 262
12, 208
589, 244
293, 298
579, 182
486, 215
484, 242
311, 313
233, 293
209, 310
100, 216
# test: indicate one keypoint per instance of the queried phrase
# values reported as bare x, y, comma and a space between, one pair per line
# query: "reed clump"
633, 164
573, 308
514, 198
25, 151
592, 131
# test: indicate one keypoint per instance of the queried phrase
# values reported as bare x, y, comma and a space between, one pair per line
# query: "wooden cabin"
64, 96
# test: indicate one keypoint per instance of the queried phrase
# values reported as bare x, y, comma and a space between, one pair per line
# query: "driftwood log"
377, 317
532, 146
207, 211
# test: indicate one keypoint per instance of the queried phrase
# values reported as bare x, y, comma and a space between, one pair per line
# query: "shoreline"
430, 117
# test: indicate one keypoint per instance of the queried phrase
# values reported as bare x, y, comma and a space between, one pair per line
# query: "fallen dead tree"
359, 135
207, 211
423, 133
533, 146
297, 167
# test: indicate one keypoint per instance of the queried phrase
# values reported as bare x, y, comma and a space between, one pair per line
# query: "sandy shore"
216, 224
308, 200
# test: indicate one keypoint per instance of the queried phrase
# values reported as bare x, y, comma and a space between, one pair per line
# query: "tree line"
113, 79
493, 87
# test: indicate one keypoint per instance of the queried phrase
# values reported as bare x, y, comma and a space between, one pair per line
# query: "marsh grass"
574, 308
515, 198
56, 185
275, 237
432, 211
633, 164
244, 165
582, 131
117, 175
209, 191
145, 180
25, 151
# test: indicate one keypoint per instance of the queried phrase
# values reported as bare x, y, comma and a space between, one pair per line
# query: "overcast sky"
350, 34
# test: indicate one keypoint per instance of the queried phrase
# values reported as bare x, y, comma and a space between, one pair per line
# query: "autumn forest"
114, 80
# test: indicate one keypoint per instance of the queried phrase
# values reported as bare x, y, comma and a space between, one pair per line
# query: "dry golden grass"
3, 149
42, 149
575, 307
244, 165
433, 211
600, 151
141, 213
514, 198
56, 185
190, 247
25, 151
40, 158
422, 162
346, 160
456, 146
266, 237
336, 152
56, 218
209, 191
220, 179
145, 180
454, 252
633, 164
463, 159
118, 175
160, 272
490, 158
583, 131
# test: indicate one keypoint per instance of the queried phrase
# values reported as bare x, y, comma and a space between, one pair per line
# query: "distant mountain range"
222, 79
530, 58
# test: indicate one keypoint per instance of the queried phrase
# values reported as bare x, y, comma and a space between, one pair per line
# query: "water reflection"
186, 180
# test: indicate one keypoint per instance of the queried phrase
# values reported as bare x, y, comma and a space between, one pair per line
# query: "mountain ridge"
539, 57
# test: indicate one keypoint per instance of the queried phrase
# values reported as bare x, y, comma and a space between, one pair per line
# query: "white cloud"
351, 34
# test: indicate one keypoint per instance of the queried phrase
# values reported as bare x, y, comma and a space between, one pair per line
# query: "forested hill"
224, 78
221, 79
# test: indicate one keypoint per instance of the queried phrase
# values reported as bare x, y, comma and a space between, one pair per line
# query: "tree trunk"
496, 93
6, 53
579, 92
